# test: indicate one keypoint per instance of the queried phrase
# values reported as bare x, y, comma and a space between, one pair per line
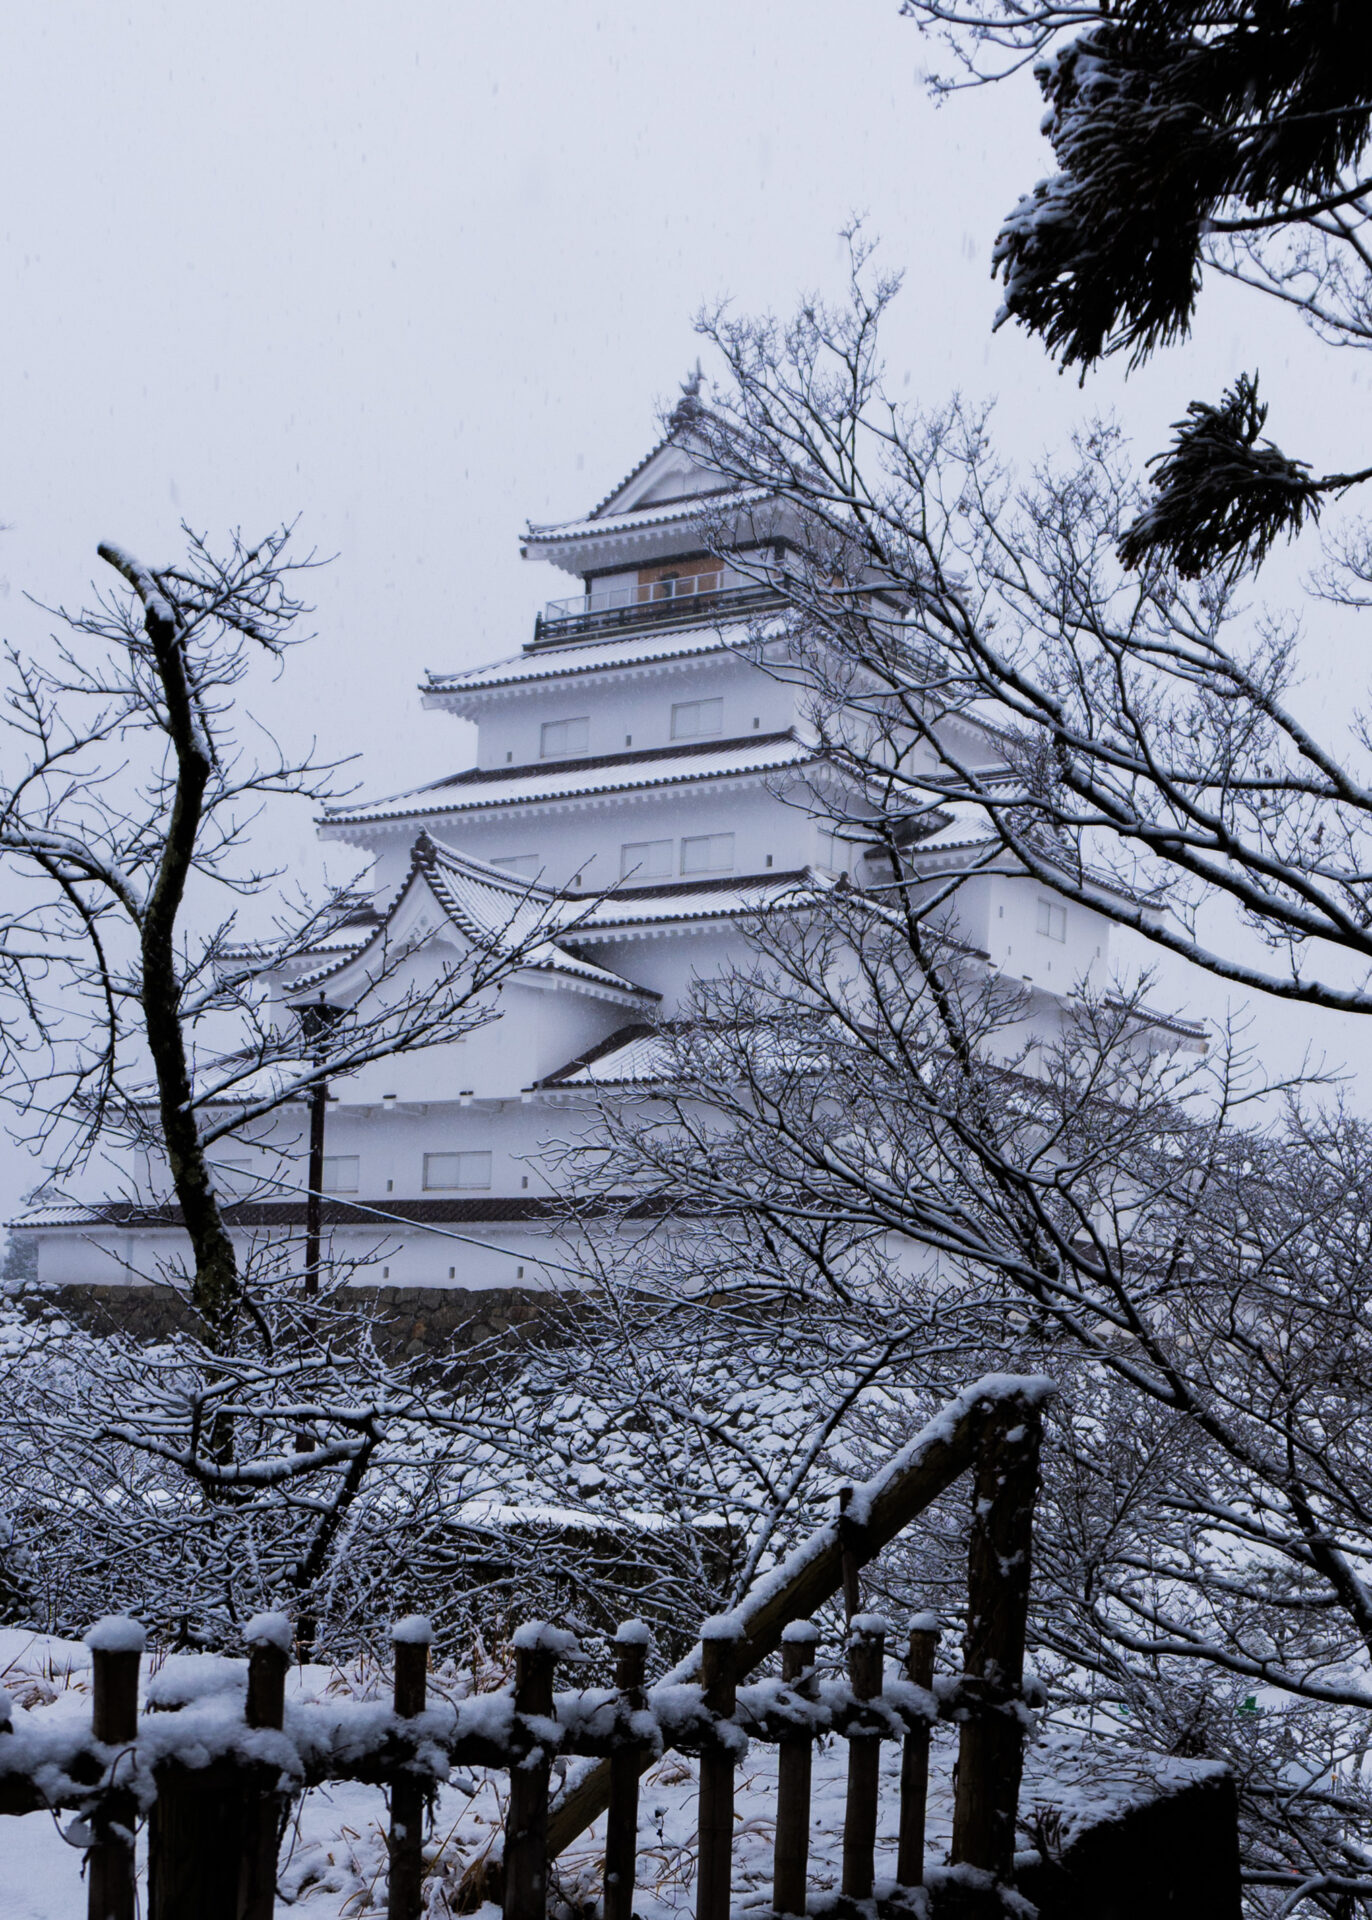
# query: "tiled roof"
658, 514
553, 663
494, 909
636, 1053
572, 779
679, 900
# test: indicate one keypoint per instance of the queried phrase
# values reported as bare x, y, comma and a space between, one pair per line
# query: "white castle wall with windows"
639, 758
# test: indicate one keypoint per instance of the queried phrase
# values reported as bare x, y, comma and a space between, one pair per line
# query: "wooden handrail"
878, 1510
215, 1823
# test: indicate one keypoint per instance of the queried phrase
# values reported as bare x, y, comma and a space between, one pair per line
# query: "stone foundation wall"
409, 1322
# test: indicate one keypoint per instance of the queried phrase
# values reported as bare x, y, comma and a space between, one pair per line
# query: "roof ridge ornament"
688, 408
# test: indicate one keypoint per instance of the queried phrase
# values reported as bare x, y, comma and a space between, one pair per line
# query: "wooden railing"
217, 1781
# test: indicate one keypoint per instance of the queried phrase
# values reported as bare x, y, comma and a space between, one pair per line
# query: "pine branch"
1220, 494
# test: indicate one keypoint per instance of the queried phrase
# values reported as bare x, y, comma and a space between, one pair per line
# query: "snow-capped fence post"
719, 1640
866, 1671
269, 1654
791, 1859
116, 1646
411, 1638
914, 1756
526, 1824
991, 1745
621, 1824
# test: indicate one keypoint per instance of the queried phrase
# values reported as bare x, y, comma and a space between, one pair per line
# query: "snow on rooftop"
468, 793
655, 513
555, 663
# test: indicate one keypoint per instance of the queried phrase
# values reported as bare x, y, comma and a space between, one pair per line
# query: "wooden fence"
216, 1779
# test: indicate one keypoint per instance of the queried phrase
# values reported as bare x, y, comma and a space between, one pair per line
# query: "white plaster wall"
636, 709
587, 840
1015, 944
479, 1258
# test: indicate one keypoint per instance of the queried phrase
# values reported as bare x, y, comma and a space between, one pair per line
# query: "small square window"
645, 860
691, 719
708, 853
340, 1173
456, 1172
560, 738
1052, 920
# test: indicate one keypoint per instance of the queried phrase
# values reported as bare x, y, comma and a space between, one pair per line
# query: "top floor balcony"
675, 598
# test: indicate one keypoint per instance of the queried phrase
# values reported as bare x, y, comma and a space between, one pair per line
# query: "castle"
645, 782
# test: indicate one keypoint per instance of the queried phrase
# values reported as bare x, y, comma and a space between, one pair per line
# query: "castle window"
691, 719
1052, 920
559, 738
525, 865
340, 1173
456, 1172
645, 860
708, 853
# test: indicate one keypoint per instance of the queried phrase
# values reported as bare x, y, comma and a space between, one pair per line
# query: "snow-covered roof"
633, 1054
493, 909
480, 789
685, 900
655, 515
537, 665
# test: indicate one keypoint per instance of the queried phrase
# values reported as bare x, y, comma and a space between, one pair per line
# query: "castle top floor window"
561, 738
1052, 920
707, 853
456, 1172
693, 719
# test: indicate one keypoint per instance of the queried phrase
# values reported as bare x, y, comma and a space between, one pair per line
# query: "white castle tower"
640, 772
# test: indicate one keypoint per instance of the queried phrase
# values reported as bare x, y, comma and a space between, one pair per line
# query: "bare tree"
138, 1016
862, 1126
1142, 727
141, 1039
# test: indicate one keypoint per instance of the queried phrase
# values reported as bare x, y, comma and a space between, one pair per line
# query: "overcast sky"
419, 272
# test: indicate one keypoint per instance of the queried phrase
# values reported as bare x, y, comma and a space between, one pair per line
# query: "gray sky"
418, 272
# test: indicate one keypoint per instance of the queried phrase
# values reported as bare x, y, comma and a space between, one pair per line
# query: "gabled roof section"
672, 468
491, 909
668, 488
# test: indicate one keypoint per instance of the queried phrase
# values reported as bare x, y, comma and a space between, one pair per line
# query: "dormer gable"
674, 472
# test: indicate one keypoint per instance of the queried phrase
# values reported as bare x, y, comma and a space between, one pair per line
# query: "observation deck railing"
698, 596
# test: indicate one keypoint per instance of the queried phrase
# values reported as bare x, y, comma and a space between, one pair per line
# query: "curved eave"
613, 658
363, 829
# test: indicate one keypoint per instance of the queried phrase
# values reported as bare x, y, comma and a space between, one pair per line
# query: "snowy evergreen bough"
1229, 134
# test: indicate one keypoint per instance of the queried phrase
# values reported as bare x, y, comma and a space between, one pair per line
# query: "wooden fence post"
116, 1645
791, 1857
269, 1639
914, 1757
411, 1639
719, 1640
866, 1668
991, 1747
526, 1824
850, 1563
621, 1824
